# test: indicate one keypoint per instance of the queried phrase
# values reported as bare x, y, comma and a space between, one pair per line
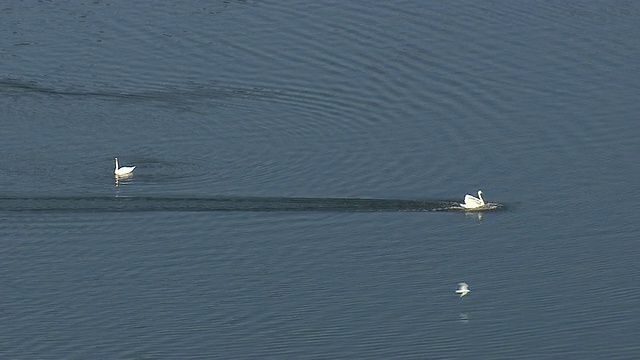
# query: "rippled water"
288, 158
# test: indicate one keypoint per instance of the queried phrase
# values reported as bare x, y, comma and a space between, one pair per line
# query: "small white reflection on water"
477, 215
464, 318
123, 180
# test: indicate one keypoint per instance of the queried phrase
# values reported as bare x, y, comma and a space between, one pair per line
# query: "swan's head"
479, 192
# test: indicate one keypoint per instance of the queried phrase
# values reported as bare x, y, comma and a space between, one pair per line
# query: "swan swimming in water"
472, 202
123, 171
463, 289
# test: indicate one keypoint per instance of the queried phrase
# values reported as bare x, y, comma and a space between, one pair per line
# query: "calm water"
290, 157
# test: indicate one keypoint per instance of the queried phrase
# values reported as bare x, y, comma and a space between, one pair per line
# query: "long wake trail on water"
224, 203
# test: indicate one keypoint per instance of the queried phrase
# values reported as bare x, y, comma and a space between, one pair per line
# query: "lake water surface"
297, 165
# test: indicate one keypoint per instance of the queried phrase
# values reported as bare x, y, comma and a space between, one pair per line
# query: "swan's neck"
480, 197
117, 164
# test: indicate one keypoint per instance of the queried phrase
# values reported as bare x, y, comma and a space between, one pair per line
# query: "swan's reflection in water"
123, 179
474, 214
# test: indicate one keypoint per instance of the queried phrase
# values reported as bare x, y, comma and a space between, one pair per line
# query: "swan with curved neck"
472, 202
123, 171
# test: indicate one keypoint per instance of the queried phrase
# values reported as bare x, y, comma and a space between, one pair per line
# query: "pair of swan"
472, 202
123, 171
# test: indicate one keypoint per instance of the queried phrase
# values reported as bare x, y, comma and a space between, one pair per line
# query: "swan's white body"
463, 289
472, 202
123, 171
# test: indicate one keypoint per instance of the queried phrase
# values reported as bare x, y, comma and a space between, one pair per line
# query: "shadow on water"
173, 95
256, 204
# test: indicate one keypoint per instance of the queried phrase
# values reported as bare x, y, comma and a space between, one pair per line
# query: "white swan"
472, 202
123, 171
463, 289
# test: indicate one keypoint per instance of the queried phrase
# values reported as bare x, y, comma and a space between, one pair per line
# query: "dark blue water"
298, 170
